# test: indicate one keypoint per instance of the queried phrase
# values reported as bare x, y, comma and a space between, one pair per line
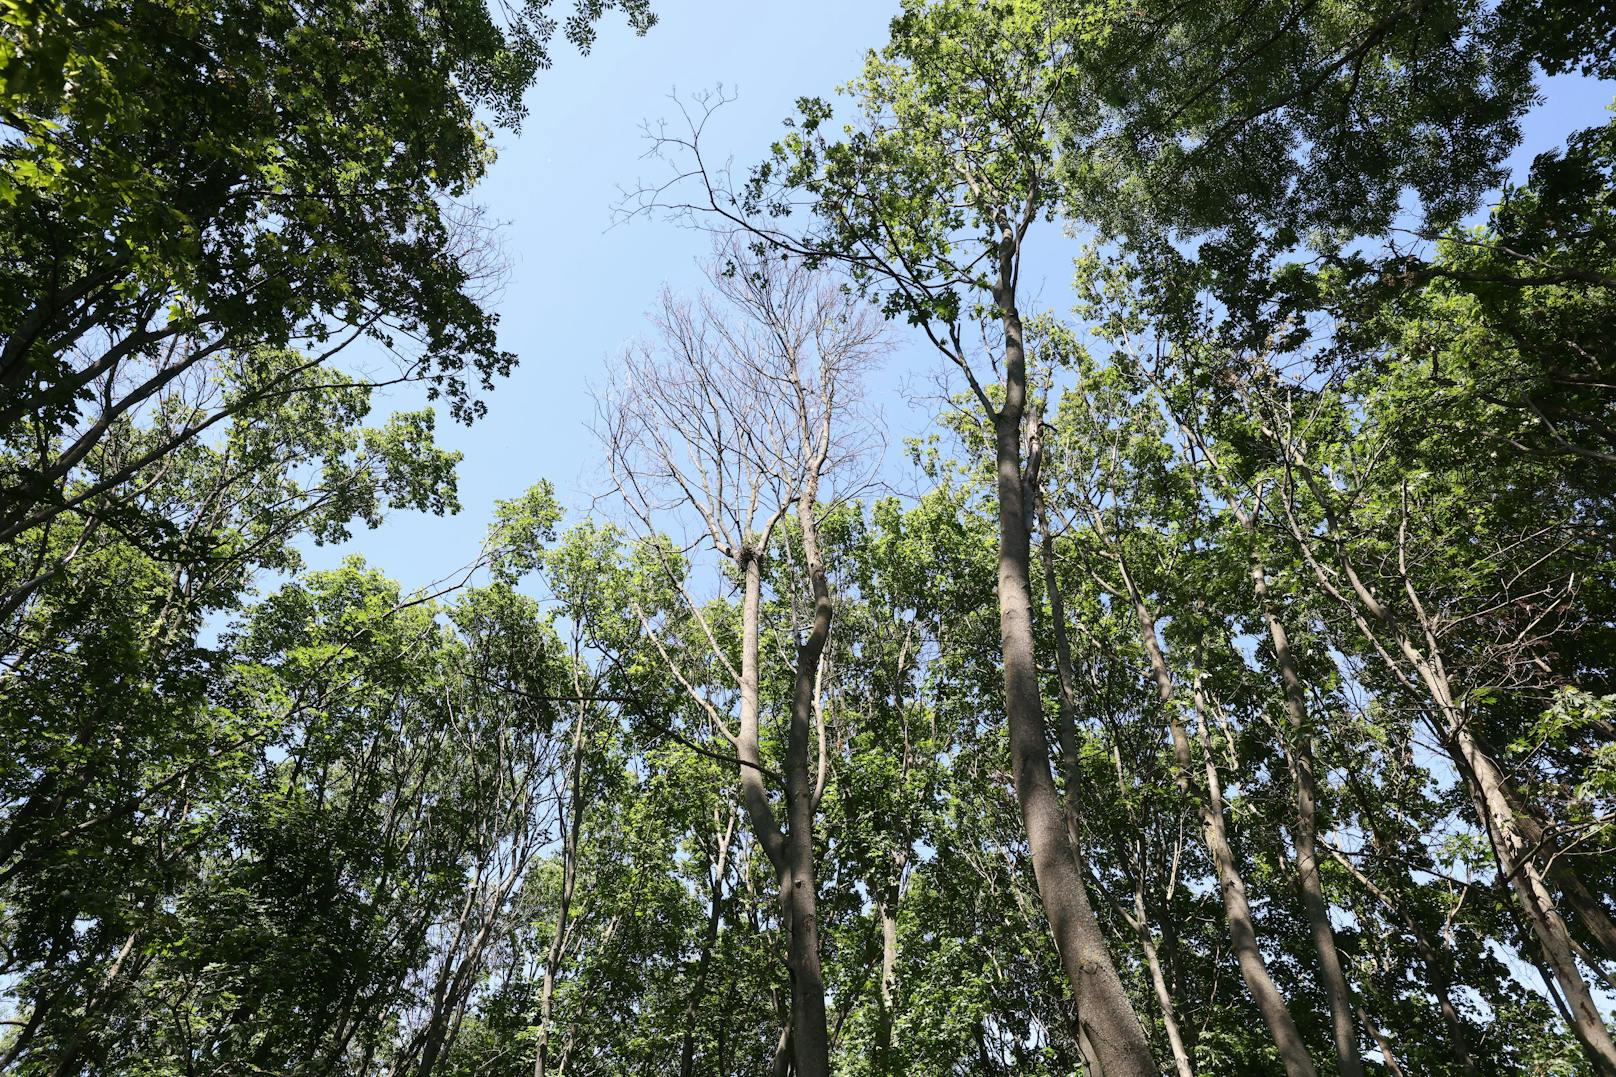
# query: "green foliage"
1355, 514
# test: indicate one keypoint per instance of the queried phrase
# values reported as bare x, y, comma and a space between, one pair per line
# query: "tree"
1365, 502
1299, 739
109, 694
1421, 637
740, 424
185, 186
928, 202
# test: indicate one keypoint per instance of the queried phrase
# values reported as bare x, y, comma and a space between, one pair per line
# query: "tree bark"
1386, 1055
1103, 1007
1574, 893
1305, 835
1158, 983
1066, 714
1067, 735
780, 1063
1231, 886
755, 795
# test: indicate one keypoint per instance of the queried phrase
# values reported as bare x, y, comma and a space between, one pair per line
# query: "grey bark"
1392, 1066
1067, 735
1231, 886
887, 909
1574, 893
1516, 861
1158, 983
1305, 836
1104, 1011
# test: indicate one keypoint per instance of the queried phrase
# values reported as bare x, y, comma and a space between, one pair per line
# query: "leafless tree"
737, 413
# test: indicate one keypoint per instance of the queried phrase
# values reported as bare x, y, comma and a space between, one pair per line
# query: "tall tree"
741, 423
929, 201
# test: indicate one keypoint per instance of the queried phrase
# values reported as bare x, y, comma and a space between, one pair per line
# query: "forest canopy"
1222, 684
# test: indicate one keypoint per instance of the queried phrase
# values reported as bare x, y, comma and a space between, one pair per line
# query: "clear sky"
579, 288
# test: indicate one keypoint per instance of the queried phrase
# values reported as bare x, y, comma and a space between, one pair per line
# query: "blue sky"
579, 288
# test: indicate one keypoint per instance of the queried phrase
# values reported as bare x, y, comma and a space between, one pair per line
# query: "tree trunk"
1386, 1055
1067, 735
1164, 997
1231, 887
1105, 1012
69, 1061
754, 794
780, 1064
1305, 836
790, 852
715, 908
810, 1046
1066, 716
1242, 928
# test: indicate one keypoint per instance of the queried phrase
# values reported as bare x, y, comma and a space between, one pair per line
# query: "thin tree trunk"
1140, 922
889, 957
1103, 1007
569, 880
1305, 836
1231, 887
1066, 724
70, 1052
790, 852
1158, 983
715, 908
754, 794
890, 891
1067, 735
984, 1059
1380, 1041
1242, 928
430, 1038
780, 1064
